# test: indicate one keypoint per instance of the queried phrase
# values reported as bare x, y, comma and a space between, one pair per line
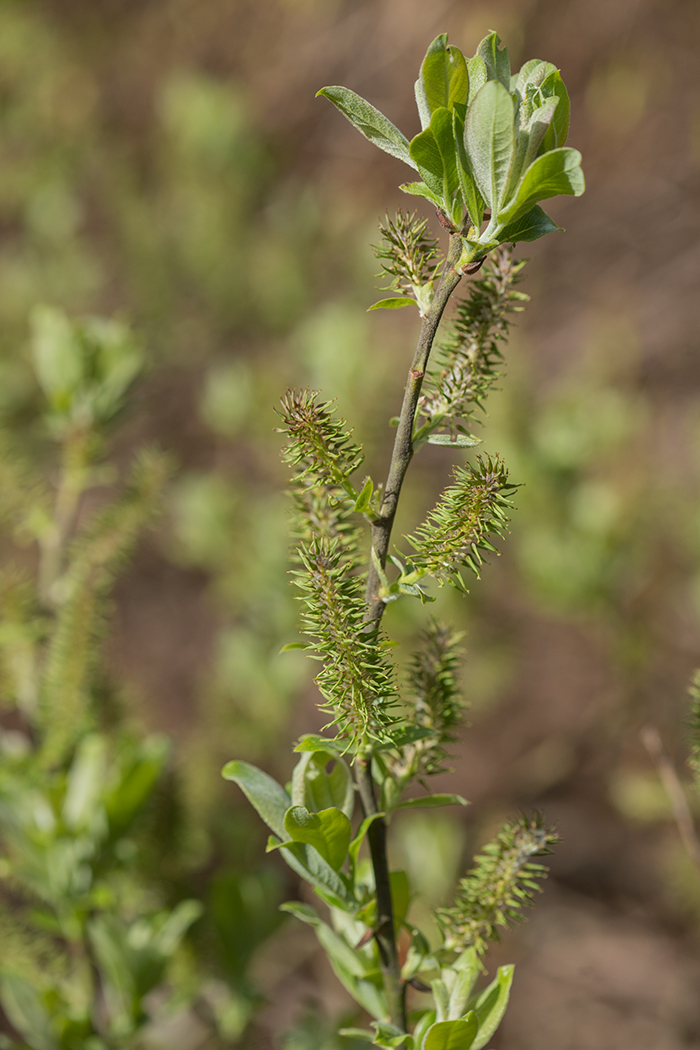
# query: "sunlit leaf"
369, 122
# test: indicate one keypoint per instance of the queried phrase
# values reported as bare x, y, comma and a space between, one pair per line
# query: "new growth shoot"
490, 149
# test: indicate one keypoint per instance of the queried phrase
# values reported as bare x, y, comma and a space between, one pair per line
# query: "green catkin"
501, 883
456, 532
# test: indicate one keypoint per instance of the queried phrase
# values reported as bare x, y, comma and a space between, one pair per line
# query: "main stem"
402, 454
403, 442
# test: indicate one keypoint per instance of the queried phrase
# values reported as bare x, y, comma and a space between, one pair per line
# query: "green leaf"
441, 126
424, 1023
419, 189
478, 76
497, 61
432, 802
364, 827
452, 1035
490, 141
333, 944
58, 359
369, 122
426, 153
85, 782
473, 200
314, 742
443, 80
26, 1011
531, 72
466, 969
554, 87
328, 831
364, 500
491, 1005
316, 789
291, 646
558, 171
529, 227
311, 866
459, 441
357, 1033
393, 303
265, 794
390, 1035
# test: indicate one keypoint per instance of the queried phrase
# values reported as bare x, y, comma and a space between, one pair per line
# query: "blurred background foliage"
165, 162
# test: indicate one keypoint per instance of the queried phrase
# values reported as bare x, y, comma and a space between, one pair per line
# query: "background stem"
402, 454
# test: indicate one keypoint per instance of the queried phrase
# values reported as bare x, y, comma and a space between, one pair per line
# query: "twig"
401, 457
676, 795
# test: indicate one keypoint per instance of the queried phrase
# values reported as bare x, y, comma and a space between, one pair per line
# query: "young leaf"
466, 970
473, 201
393, 303
432, 802
310, 865
459, 441
419, 189
364, 500
390, 1035
316, 789
265, 794
496, 60
452, 1035
442, 127
422, 1026
491, 1005
554, 87
336, 948
443, 81
328, 831
558, 171
490, 141
529, 227
426, 153
478, 76
369, 122
532, 72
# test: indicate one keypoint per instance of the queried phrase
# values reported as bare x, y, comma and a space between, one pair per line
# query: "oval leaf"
452, 1035
491, 1005
393, 303
328, 831
265, 794
369, 122
443, 81
554, 87
432, 802
489, 139
554, 173
529, 227
419, 189
496, 60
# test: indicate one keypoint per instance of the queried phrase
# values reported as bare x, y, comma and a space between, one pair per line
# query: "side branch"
403, 443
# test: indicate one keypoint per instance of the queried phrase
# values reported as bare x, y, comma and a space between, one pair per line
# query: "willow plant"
491, 148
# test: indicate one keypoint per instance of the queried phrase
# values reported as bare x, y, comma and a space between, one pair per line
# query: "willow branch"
381, 534
403, 443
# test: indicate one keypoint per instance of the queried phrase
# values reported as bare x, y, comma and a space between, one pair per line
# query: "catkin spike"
357, 681
97, 554
501, 883
471, 358
456, 532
